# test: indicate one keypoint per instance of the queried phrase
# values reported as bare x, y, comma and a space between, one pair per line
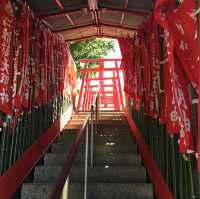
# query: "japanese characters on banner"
127, 50
34, 62
130, 49
23, 30
137, 72
146, 74
6, 42
172, 22
181, 67
151, 67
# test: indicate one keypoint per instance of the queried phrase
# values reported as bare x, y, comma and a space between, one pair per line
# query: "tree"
93, 48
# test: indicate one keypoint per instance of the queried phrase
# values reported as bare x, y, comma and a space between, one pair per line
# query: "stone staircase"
117, 172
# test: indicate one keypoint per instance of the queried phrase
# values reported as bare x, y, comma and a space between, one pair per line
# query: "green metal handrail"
179, 170
31, 126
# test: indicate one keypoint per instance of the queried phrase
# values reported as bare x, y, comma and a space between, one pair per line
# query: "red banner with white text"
6, 53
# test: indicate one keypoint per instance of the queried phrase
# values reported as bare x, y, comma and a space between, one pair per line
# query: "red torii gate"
110, 89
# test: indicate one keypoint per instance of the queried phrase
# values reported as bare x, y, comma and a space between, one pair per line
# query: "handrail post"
92, 137
96, 113
86, 162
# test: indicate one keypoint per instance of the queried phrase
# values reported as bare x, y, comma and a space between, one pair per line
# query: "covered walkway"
134, 137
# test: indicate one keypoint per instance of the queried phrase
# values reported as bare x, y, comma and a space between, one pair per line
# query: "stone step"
117, 159
68, 136
112, 191
36, 190
58, 159
115, 191
116, 132
94, 191
65, 136
120, 159
61, 147
112, 121
101, 139
96, 174
113, 131
115, 126
116, 148
117, 171
68, 140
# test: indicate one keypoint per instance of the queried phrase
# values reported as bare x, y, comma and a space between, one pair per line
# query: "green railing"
179, 170
30, 126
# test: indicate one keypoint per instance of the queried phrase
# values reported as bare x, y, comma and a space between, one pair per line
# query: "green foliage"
94, 48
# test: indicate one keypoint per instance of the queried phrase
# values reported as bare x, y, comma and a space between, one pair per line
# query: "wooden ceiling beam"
95, 25
63, 12
60, 5
92, 36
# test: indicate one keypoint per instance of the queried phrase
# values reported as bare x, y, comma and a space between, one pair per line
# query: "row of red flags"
170, 39
34, 62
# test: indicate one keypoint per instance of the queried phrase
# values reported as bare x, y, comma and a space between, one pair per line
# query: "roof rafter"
123, 14
60, 5
81, 38
63, 12
99, 25
92, 36
132, 12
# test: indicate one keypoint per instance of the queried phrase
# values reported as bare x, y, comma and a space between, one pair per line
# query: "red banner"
43, 67
170, 109
151, 64
37, 67
27, 62
154, 51
6, 42
182, 22
65, 67
20, 93
137, 72
176, 75
198, 50
146, 74
127, 50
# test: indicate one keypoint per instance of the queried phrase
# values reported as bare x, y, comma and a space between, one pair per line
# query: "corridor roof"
82, 19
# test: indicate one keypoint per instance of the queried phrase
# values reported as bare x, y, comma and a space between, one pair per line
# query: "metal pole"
86, 163
92, 137
96, 113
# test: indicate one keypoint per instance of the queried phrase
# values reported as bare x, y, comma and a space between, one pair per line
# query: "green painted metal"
177, 169
25, 132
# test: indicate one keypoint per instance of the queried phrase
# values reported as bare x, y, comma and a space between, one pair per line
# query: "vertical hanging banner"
170, 109
63, 68
182, 22
184, 107
146, 73
137, 73
43, 67
198, 50
6, 48
180, 94
150, 61
27, 83
21, 66
127, 51
154, 52
37, 80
